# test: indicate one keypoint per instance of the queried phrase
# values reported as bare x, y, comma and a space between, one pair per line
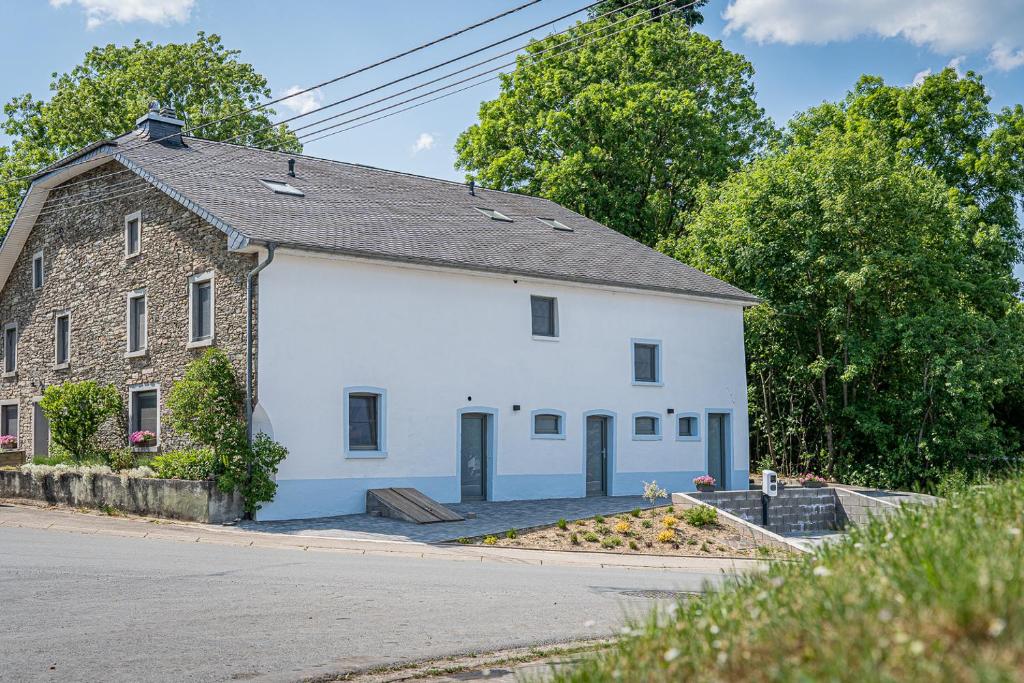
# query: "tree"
101, 98
689, 10
623, 129
76, 411
886, 337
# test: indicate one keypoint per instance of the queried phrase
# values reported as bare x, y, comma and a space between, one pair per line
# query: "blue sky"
803, 51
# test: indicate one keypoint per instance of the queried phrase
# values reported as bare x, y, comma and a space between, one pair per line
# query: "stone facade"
81, 233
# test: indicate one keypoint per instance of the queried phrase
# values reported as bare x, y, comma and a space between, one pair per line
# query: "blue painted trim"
492, 451
547, 411
659, 372
657, 427
610, 473
382, 423
306, 498
727, 471
632, 483
538, 486
696, 421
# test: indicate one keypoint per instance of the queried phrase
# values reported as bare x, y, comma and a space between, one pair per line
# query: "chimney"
159, 123
291, 167
472, 187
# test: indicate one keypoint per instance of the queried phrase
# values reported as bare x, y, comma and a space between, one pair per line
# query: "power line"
335, 79
206, 160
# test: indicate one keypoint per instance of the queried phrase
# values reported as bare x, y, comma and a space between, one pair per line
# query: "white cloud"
99, 12
920, 76
956, 63
304, 103
944, 26
424, 142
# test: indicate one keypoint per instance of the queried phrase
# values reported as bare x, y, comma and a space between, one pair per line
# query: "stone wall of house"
81, 235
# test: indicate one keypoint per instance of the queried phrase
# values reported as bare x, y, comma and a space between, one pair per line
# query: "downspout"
250, 282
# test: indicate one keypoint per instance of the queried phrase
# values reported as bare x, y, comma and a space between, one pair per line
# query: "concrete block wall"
793, 510
856, 508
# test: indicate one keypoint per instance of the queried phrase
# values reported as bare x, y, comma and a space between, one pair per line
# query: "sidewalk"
89, 522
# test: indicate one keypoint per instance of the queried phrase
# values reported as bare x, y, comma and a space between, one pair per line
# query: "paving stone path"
492, 517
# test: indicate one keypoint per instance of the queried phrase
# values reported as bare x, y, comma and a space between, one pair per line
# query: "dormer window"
494, 215
133, 234
557, 225
278, 187
38, 275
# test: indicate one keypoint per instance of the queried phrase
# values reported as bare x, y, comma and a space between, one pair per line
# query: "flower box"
142, 439
705, 488
812, 484
811, 481
8, 442
705, 483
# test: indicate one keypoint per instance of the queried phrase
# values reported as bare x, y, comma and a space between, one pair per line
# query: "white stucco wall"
439, 341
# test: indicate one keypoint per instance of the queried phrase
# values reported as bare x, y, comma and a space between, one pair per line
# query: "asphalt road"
102, 608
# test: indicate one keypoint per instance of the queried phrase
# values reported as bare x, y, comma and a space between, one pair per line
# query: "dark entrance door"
597, 455
718, 447
40, 432
474, 456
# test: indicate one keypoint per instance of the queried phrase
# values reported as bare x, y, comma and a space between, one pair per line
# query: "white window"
133, 234
547, 424
365, 422
544, 316
9, 420
38, 273
647, 362
557, 225
144, 415
688, 427
646, 427
494, 215
137, 323
282, 188
62, 340
200, 309
10, 349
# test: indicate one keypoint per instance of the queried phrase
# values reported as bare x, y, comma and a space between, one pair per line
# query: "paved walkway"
491, 517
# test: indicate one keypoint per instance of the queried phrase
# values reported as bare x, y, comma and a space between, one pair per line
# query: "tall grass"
932, 594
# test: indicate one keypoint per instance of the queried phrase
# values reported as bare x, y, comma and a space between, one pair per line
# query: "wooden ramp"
408, 504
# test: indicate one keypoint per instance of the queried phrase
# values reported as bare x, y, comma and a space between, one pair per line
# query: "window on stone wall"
9, 420
38, 275
201, 309
144, 410
137, 322
62, 340
10, 348
133, 234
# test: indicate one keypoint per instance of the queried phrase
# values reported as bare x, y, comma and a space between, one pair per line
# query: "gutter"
250, 281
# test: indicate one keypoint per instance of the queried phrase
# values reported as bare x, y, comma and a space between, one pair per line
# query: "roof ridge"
366, 166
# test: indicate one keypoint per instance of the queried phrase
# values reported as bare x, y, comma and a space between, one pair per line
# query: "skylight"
557, 225
494, 215
279, 187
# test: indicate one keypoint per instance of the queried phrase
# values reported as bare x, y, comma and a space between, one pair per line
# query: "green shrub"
121, 459
599, 519
195, 464
491, 540
463, 540
633, 545
76, 411
602, 529
701, 515
562, 524
611, 542
636, 512
510, 534
647, 524
591, 537
933, 593
574, 538
252, 472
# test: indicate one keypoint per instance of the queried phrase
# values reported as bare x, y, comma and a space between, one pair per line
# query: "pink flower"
8, 441
142, 438
807, 476
704, 480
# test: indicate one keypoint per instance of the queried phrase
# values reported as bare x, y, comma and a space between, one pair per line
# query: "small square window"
62, 340
133, 234
646, 426
646, 362
38, 274
494, 215
542, 310
279, 187
687, 426
547, 424
363, 422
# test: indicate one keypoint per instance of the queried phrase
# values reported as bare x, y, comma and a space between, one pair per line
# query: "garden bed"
194, 501
659, 531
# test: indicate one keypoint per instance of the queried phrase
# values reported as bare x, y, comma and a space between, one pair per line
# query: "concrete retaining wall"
856, 508
793, 510
758, 534
194, 501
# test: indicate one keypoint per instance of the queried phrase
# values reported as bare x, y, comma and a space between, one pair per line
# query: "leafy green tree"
623, 129
76, 411
886, 335
201, 82
687, 9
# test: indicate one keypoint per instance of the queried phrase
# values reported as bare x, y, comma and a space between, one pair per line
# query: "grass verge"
932, 594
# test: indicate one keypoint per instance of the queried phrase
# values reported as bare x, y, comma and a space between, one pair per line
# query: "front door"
474, 456
40, 432
718, 447
597, 455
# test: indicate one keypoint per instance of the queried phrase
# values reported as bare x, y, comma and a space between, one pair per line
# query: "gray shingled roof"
370, 212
